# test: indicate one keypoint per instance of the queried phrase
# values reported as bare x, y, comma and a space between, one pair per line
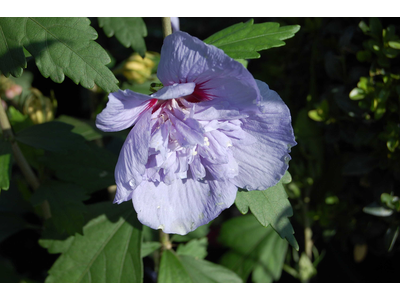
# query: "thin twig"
307, 230
26, 169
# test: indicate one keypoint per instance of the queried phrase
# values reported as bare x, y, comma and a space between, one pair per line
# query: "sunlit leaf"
60, 46
244, 40
130, 32
204, 271
270, 207
378, 211
394, 44
187, 269
195, 248
253, 248
108, 251
65, 46
172, 269
149, 247
357, 94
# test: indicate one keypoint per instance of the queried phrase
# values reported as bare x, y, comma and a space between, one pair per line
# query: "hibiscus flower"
210, 130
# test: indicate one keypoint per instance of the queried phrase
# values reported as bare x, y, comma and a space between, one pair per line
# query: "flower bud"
39, 108
139, 69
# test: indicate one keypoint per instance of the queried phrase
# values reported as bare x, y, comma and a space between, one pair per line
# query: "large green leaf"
172, 269
128, 31
252, 249
270, 207
188, 269
207, 272
52, 136
244, 40
5, 164
196, 248
65, 200
108, 251
12, 58
149, 247
91, 168
60, 46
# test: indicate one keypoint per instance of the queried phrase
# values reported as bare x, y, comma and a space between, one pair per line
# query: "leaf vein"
95, 256
72, 50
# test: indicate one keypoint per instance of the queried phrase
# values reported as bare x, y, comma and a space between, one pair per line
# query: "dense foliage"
340, 79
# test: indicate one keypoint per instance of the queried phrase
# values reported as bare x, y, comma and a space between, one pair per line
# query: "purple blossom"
211, 129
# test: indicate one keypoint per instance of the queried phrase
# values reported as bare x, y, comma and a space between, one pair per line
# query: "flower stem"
164, 239
26, 169
308, 242
166, 25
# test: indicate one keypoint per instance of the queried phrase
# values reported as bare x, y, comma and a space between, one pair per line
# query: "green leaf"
65, 200
394, 44
54, 243
357, 94
244, 40
18, 121
149, 247
188, 269
108, 250
80, 127
204, 271
52, 136
12, 58
364, 27
65, 46
91, 168
252, 248
195, 248
313, 115
270, 207
377, 211
5, 164
130, 32
200, 232
172, 269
